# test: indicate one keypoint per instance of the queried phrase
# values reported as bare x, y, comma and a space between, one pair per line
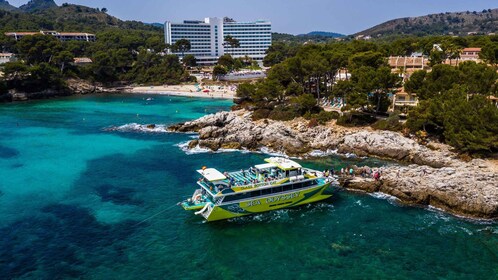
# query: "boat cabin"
275, 172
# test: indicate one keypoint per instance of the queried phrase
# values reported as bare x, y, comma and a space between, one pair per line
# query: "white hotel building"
207, 38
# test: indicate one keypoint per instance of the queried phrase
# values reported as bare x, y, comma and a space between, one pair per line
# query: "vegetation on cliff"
125, 51
453, 107
459, 23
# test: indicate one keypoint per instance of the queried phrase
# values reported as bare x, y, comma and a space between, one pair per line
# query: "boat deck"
243, 180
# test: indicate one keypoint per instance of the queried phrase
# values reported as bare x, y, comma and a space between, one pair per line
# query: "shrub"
282, 113
391, 123
324, 116
356, 119
260, 114
313, 123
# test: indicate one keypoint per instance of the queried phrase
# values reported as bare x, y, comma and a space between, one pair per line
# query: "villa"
7, 57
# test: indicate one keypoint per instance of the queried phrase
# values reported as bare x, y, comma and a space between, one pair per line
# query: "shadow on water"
117, 195
56, 242
6, 152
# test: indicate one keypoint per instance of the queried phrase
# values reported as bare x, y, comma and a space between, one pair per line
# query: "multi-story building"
207, 38
7, 57
63, 36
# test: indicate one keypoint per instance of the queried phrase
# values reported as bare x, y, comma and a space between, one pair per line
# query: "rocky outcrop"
295, 138
467, 189
435, 177
79, 86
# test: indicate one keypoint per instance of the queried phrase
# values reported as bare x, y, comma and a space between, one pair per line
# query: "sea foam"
135, 127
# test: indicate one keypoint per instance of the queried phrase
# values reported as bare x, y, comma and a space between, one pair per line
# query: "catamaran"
278, 183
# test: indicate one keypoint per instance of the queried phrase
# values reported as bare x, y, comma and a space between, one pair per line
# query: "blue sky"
287, 16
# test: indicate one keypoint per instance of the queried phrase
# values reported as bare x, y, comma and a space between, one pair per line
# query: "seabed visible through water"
77, 196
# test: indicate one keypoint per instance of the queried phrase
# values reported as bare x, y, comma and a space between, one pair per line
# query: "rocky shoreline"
435, 176
74, 87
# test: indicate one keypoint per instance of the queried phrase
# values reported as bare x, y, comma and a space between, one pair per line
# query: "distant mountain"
316, 36
323, 34
156, 24
459, 23
4, 5
38, 5
67, 17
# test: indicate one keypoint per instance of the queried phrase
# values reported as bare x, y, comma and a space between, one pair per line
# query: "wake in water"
143, 128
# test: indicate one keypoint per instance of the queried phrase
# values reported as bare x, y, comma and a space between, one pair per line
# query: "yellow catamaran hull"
268, 203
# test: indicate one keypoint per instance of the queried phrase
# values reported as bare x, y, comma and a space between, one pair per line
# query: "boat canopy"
283, 163
265, 166
211, 174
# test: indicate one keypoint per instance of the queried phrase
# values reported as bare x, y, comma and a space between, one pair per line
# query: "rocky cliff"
435, 177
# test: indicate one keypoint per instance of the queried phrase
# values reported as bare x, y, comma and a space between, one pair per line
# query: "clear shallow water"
77, 199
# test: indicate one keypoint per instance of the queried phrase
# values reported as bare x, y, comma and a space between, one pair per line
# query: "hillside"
42, 15
458, 23
4, 5
37, 5
302, 38
323, 34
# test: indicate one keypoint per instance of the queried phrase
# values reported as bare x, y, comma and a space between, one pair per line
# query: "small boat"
278, 183
149, 99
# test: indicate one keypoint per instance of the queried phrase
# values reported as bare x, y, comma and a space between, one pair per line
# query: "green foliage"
182, 45
353, 119
38, 48
126, 51
226, 61
218, 71
471, 126
416, 81
391, 123
303, 103
245, 91
323, 116
366, 59
489, 53
261, 114
467, 122
189, 60
283, 113
231, 42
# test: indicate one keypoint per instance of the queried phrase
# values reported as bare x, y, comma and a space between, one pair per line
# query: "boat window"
287, 188
255, 193
237, 197
297, 186
276, 190
266, 191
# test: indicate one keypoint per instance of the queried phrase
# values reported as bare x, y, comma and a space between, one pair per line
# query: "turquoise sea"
83, 194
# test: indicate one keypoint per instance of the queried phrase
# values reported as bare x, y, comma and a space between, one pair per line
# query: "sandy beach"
212, 91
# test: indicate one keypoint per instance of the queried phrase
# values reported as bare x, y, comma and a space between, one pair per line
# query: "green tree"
489, 53
416, 81
63, 59
231, 42
182, 46
436, 57
218, 71
38, 48
471, 126
189, 60
245, 91
226, 61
